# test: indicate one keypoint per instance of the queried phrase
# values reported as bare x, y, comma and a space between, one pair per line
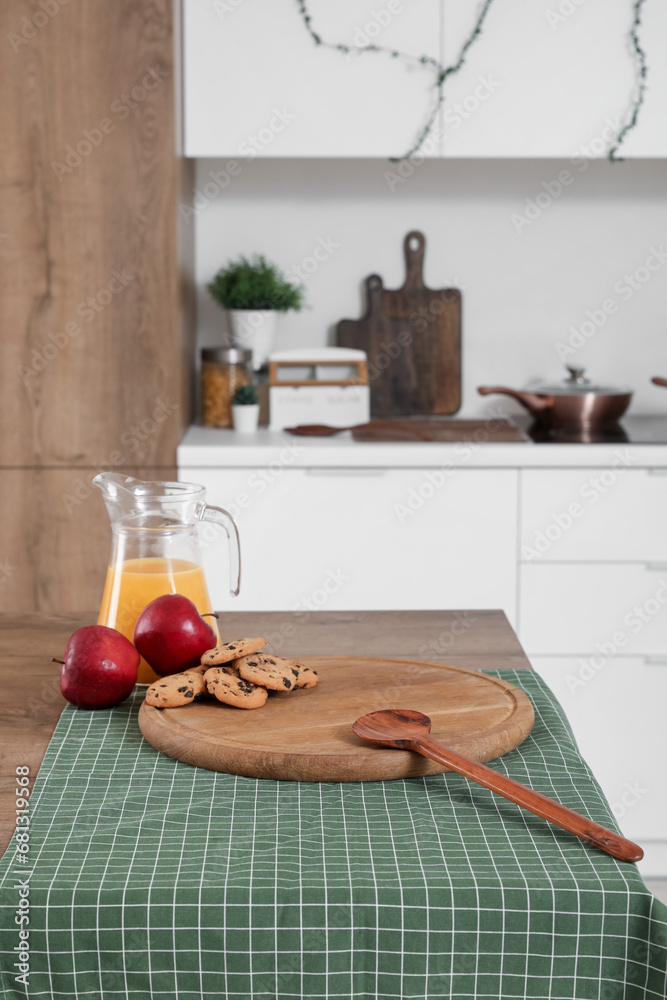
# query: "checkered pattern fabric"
151, 878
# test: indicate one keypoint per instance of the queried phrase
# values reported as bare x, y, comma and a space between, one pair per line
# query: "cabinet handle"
345, 472
655, 661
657, 472
656, 567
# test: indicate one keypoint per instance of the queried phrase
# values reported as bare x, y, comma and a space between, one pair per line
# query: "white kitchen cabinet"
580, 608
562, 83
536, 82
617, 712
338, 539
256, 84
593, 588
597, 515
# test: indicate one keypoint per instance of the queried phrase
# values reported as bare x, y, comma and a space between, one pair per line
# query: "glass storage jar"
224, 369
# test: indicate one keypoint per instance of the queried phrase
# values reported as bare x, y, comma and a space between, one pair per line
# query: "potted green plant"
254, 291
245, 409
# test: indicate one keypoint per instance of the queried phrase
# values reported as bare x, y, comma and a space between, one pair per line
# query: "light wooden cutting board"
307, 735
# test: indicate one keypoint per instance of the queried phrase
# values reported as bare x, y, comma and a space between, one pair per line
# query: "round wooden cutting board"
307, 735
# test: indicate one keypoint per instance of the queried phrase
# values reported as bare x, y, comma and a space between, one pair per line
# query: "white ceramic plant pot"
246, 418
254, 329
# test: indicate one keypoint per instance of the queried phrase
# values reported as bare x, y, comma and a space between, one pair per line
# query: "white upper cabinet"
558, 82
256, 83
544, 78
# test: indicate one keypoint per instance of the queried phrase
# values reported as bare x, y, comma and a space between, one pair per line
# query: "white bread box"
321, 385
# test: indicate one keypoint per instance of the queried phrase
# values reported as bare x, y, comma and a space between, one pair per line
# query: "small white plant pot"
255, 330
246, 418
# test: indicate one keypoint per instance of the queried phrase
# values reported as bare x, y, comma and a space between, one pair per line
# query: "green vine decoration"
440, 71
642, 73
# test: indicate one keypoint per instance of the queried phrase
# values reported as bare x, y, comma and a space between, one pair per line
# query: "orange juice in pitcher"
156, 550
134, 584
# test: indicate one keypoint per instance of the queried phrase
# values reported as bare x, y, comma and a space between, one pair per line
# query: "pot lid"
578, 385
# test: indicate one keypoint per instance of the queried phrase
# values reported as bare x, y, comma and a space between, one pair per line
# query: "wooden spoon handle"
529, 799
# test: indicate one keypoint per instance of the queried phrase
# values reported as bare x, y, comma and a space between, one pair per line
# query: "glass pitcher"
155, 549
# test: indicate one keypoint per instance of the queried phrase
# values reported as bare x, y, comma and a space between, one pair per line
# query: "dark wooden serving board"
438, 429
412, 336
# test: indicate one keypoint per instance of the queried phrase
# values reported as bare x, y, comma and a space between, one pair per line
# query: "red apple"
100, 667
171, 635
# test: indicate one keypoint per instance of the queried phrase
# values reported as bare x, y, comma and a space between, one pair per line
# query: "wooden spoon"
403, 729
325, 430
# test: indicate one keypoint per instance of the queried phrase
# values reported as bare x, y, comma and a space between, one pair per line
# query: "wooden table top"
32, 703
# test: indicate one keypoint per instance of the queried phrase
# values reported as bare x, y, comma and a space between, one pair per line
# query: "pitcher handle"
223, 518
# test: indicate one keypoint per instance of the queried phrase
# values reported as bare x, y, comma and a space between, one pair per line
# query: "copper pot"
574, 404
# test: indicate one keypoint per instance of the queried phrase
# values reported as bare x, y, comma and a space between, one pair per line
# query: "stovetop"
631, 430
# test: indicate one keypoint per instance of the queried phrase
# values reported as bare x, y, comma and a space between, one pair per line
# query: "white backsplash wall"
539, 248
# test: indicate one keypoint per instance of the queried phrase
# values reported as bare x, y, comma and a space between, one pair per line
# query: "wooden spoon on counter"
404, 729
324, 430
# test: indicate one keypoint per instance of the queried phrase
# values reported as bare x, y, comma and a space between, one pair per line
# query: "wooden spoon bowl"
392, 727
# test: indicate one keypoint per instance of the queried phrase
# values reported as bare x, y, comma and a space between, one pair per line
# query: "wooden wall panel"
95, 308
90, 296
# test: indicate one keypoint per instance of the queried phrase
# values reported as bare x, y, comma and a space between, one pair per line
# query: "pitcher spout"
112, 484
124, 497
149, 504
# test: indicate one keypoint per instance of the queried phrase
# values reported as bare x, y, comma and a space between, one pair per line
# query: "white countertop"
205, 447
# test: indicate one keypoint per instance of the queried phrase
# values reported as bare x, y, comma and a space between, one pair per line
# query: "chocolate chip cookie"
176, 690
231, 689
307, 676
275, 673
227, 651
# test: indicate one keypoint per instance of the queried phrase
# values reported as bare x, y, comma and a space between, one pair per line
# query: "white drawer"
611, 515
367, 539
573, 608
617, 712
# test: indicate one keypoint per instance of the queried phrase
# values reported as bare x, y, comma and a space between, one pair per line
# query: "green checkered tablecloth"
151, 878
